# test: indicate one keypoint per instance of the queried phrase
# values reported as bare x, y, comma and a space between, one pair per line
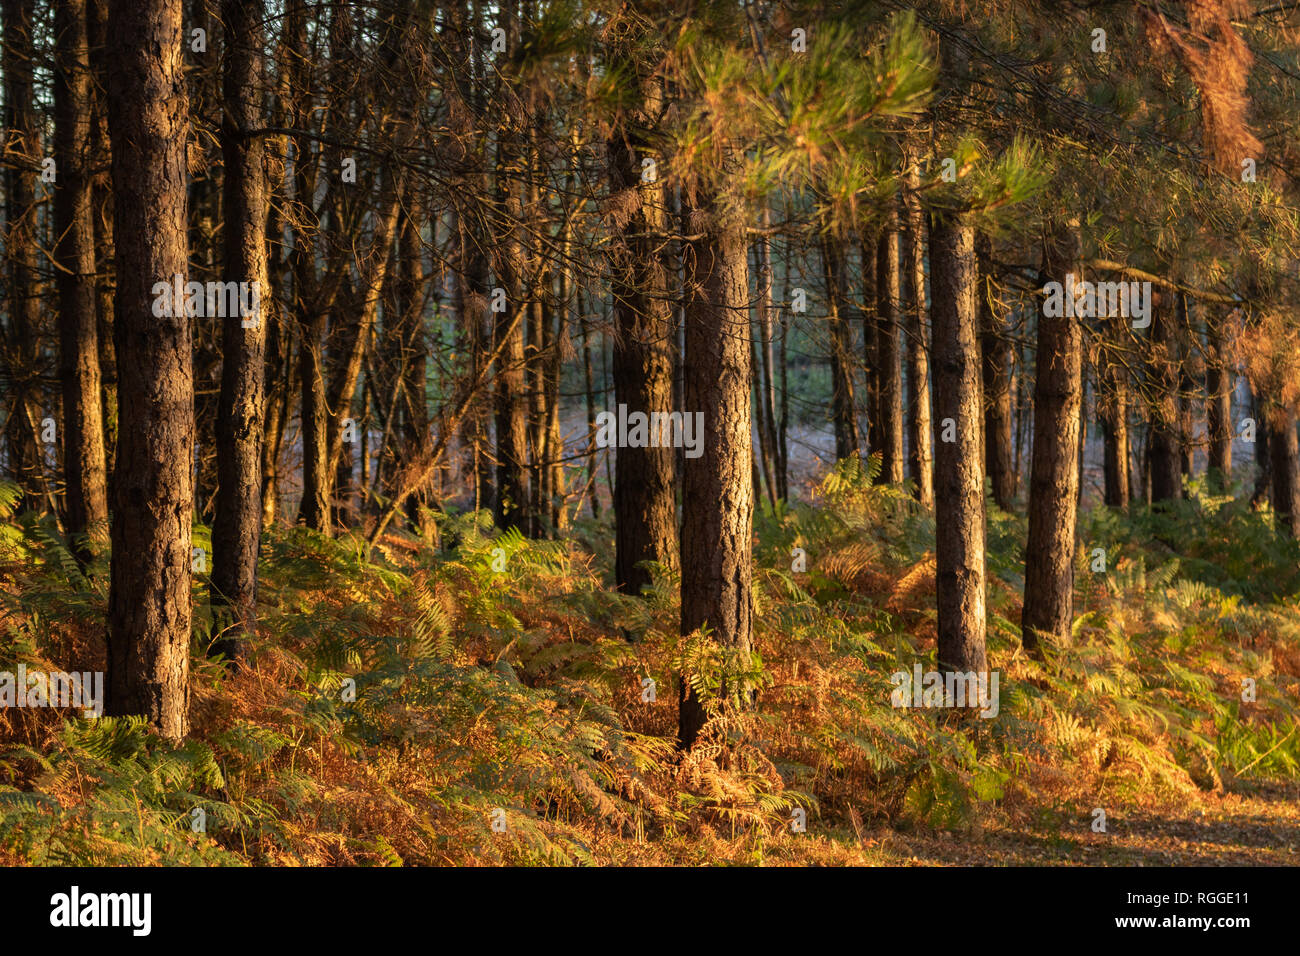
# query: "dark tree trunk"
279, 377
538, 313
1113, 405
472, 310
1219, 378
995, 348
1186, 385
237, 525
889, 370
102, 215
645, 513
557, 331
83, 424
843, 406
717, 494
920, 429
1263, 456
1285, 468
511, 396
959, 479
313, 508
202, 75
764, 377
415, 354
585, 331
870, 344
149, 619
23, 141
1164, 436
1053, 486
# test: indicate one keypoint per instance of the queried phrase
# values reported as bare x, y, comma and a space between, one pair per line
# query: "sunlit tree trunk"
149, 617
237, 524
83, 425
889, 370
958, 476
717, 493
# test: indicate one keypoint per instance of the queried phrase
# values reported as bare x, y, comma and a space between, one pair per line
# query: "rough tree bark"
102, 215
149, 614
511, 505
959, 479
843, 406
237, 524
1284, 452
920, 429
995, 348
889, 370
83, 422
870, 342
645, 512
22, 140
1054, 477
313, 508
1164, 441
1219, 378
717, 493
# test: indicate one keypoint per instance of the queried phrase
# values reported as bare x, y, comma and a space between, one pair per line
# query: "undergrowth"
494, 700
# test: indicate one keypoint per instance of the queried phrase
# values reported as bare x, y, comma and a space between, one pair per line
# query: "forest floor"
1260, 828
487, 699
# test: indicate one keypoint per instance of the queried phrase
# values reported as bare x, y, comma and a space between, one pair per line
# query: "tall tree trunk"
920, 429
102, 214
23, 141
313, 508
472, 310
766, 381
1113, 404
1164, 440
237, 525
538, 435
1219, 380
511, 396
870, 343
1284, 451
1053, 486
538, 315
556, 334
585, 328
1186, 385
202, 74
1024, 410
1263, 454
645, 512
279, 378
843, 407
83, 424
995, 348
889, 368
959, 478
473, 233
717, 493
415, 354
149, 619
